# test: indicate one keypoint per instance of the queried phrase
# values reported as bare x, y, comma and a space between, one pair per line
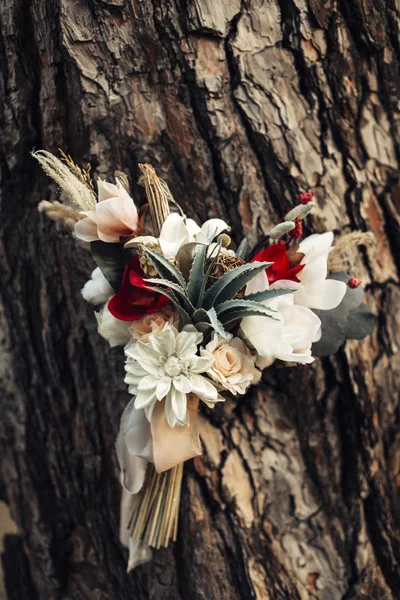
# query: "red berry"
306, 197
354, 282
297, 232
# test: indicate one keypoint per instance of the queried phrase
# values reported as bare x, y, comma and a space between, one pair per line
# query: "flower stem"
154, 517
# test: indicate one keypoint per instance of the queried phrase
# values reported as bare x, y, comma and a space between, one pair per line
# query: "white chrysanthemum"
97, 290
168, 367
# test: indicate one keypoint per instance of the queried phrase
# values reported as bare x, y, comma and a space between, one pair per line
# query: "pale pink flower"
115, 215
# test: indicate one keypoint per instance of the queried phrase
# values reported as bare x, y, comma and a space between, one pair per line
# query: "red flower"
134, 300
280, 269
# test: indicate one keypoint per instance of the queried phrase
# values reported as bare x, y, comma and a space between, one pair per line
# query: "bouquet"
197, 319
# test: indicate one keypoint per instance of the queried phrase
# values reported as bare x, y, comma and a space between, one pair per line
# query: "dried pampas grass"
342, 257
60, 213
79, 193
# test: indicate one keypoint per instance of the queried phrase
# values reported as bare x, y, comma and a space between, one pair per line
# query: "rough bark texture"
239, 106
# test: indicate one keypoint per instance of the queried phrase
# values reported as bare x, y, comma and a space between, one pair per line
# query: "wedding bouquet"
197, 319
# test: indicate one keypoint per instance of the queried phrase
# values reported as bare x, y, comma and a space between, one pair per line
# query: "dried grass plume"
60, 213
80, 194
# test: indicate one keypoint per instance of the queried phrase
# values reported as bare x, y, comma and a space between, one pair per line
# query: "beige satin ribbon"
174, 445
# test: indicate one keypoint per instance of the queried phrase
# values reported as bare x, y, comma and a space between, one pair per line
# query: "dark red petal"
162, 301
120, 308
259, 257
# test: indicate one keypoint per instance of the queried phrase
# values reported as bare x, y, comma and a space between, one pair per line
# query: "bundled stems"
157, 196
154, 517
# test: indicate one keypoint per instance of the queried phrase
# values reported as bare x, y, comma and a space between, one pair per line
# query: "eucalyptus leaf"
350, 320
333, 333
353, 296
360, 323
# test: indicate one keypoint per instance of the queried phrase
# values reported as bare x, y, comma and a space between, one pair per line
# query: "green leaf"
232, 282
185, 317
214, 258
204, 328
230, 305
242, 250
360, 323
268, 294
165, 269
178, 289
200, 315
111, 259
184, 258
196, 276
216, 324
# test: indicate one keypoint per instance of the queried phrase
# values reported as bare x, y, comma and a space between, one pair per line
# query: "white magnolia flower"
288, 338
115, 331
168, 367
97, 290
153, 324
315, 290
115, 215
233, 365
177, 231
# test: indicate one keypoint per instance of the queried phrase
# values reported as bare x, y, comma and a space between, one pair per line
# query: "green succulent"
216, 307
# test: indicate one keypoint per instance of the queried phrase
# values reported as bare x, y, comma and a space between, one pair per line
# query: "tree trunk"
239, 106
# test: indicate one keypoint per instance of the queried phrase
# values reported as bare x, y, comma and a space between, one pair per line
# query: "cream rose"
234, 365
153, 324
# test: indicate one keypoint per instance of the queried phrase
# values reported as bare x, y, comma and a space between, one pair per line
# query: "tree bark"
239, 105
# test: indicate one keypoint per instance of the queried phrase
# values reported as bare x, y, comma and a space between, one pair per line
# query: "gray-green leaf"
216, 324
232, 282
165, 269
